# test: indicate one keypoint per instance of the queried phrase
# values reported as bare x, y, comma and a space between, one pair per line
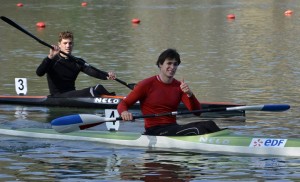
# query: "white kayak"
223, 142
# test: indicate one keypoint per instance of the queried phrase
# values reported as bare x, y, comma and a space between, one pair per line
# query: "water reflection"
42, 114
157, 171
61, 160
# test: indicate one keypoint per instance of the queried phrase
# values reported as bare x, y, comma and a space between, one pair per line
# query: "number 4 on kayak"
112, 113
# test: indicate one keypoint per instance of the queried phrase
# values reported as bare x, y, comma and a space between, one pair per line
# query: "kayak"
103, 102
222, 142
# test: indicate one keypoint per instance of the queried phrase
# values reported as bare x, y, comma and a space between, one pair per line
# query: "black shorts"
197, 128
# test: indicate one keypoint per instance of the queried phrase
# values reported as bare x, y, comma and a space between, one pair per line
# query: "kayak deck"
219, 142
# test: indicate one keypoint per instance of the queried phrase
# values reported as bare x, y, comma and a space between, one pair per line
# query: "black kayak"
102, 102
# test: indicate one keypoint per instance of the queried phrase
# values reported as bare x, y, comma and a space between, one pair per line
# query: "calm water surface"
253, 59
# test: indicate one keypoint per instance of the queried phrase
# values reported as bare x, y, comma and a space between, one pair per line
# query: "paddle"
81, 61
77, 122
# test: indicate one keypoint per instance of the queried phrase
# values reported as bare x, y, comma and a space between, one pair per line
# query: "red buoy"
288, 12
84, 4
136, 20
19, 4
231, 16
41, 24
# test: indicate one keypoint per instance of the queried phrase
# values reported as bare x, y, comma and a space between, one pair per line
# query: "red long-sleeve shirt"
157, 97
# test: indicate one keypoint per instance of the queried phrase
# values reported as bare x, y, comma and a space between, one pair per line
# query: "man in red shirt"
163, 93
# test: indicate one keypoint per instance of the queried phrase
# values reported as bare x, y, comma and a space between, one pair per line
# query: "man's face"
66, 45
169, 67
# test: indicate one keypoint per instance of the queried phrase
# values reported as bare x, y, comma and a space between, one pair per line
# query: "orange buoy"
231, 16
288, 12
84, 4
136, 20
19, 4
41, 24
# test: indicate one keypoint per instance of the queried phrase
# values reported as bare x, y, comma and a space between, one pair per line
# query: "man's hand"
186, 89
53, 51
111, 76
126, 116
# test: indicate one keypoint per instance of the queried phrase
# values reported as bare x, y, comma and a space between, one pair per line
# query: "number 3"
21, 86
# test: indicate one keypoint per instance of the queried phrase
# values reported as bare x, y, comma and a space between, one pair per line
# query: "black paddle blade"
131, 85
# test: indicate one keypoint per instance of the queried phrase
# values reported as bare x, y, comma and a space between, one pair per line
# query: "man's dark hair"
65, 35
168, 54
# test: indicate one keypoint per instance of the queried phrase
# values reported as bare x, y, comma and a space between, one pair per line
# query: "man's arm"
43, 67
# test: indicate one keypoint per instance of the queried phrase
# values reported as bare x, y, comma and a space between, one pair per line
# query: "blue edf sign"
268, 142
274, 142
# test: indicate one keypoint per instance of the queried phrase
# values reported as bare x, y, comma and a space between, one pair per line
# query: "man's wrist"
190, 94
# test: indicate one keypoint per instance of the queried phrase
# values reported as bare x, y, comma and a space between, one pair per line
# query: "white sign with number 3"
21, 86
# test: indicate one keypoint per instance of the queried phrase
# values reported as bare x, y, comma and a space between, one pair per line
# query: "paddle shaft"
84, 121
12, 23
267, 107
174, 113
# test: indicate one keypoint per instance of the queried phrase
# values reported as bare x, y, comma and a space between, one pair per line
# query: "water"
250, 60
52, 162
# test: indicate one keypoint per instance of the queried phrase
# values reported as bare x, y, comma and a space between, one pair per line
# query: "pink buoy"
288, 12
84, 4
19, 4
136, 20
231, 16
41, 24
